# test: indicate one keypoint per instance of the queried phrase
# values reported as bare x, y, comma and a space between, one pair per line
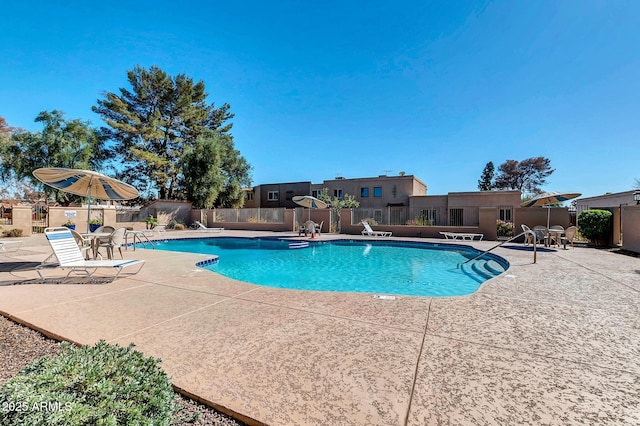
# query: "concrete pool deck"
556, 342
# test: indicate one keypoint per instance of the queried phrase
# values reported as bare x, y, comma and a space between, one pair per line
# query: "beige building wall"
21, 219
378, 192
249, 198
470, 203
631, 228
484, 199
263, 194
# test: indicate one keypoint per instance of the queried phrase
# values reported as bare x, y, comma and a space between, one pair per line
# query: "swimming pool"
384, 267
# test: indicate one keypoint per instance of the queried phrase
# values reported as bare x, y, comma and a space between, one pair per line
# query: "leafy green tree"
154, 123
527, 175
486, 180
214, 172
336, 204
61, 143
5, 130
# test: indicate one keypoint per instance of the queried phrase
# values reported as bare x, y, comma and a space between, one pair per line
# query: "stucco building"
370, 192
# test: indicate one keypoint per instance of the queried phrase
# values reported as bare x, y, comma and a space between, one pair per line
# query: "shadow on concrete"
61, 280
530, 248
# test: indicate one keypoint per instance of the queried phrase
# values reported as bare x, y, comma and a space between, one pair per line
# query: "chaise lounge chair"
69, 255
10, 246
370, 232
200, 227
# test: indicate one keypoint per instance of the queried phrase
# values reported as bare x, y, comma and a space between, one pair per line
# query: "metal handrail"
504, 242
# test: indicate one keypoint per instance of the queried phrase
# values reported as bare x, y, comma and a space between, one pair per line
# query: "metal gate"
38, 218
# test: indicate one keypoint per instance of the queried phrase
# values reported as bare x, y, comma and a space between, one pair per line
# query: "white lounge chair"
160, 228
69, 255
370, 232
462, 236
200, 227
10, 246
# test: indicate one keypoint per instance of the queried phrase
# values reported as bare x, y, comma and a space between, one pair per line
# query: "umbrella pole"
89, 206
548, 215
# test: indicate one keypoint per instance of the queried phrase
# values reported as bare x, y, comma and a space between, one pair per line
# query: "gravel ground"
20, 345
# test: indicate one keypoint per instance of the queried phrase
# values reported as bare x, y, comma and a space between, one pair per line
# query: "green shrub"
420, 220
151, 222
100, 385
504, 229
15, 232
595, 224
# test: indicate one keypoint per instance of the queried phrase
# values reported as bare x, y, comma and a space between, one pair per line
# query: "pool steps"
482, 270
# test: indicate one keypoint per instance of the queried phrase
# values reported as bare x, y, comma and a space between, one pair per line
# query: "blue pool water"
389, 267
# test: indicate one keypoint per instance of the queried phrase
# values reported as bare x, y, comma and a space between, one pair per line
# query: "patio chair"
302, 229
542, 234
370, 232
105, 229
528, 238
319, 227
69, 256
555, 234
84, 243
569, 236
310, 227
115, 240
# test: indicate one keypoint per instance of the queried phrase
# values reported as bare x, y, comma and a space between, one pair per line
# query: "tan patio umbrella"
309, 202
86, 183
547, 199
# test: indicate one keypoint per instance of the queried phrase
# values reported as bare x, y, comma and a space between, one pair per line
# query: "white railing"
250, 215
419, 216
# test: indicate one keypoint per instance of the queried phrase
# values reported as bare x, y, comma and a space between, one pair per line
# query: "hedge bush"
595, 224
100, 385
15, 232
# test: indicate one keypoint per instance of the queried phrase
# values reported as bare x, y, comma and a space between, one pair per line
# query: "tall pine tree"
486, 180
155, 122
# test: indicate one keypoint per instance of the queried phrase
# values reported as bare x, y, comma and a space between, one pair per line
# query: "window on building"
314, 193
505, 214
377, 216
272, 196
337, 193
249, 196
428, 217
456, 217
288, 195
377, 191
364, 192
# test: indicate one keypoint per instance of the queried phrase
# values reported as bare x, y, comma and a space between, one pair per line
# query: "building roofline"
611, 194
376, 178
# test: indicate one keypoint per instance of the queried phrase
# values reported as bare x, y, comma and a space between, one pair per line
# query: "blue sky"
360, 88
